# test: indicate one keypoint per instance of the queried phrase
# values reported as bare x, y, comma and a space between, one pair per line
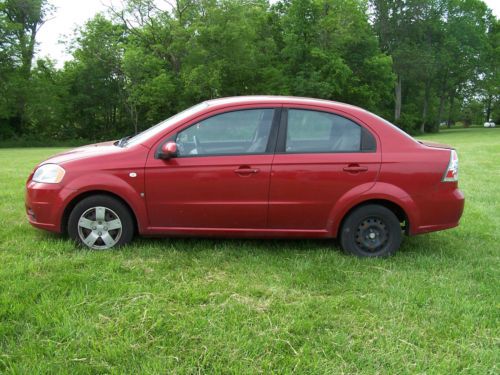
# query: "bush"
409, 123
31, 141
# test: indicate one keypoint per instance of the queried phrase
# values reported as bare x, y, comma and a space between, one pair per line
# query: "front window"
230, 133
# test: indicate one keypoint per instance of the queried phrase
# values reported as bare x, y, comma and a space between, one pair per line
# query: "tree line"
417, 63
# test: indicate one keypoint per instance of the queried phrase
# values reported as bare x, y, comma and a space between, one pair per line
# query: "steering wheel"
197, 144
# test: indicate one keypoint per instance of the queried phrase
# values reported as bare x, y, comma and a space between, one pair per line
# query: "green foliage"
141, 64
148, 85
20, 21
440, 50
189, 306
94, 81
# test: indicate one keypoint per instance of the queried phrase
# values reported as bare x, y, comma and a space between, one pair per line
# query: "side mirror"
168, 151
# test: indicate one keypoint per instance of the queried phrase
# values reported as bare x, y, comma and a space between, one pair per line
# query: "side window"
312, 131
238, 132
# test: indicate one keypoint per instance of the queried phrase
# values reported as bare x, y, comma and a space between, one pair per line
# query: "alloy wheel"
99, 228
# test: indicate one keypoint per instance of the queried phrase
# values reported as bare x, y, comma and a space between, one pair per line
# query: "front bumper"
45, 205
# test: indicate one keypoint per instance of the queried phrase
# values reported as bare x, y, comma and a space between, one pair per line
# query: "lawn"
248, 306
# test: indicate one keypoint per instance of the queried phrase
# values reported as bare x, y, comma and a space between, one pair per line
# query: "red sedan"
253, 167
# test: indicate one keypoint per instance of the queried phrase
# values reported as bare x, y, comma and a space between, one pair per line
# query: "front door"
320, 157
220, 178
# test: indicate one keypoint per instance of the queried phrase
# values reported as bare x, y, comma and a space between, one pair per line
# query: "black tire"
371, 231
84, 224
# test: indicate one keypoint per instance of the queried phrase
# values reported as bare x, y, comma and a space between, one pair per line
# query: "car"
489, 124
253, 167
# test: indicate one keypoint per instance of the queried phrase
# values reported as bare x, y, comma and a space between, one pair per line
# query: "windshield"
164, 125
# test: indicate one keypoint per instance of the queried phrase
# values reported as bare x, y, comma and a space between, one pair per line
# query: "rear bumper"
45, 205
441, 210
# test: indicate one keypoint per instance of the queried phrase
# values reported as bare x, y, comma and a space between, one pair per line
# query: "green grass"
248, 306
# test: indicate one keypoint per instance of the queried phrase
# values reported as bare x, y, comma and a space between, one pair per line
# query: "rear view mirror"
168, 151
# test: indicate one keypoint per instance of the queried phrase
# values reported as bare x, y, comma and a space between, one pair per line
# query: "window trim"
283, 130
271, 142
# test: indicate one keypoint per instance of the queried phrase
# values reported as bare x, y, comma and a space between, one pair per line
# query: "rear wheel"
371, 231
101, 222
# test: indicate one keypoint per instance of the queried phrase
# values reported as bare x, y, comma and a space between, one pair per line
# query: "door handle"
242, 171
355, 168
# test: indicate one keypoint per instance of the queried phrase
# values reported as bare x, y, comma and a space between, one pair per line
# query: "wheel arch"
78, 198
387, 195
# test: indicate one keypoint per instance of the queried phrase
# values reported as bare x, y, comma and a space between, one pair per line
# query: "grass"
248, 306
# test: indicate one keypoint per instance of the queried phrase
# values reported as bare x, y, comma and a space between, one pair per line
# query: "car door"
220, 177
320, 156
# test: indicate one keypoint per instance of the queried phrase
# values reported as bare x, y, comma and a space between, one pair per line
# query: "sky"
70, 14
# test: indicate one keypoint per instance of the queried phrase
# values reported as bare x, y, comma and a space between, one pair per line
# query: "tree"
490, 83
329, 51
95, 82
417, 61
437, 47
21, 20
44, 104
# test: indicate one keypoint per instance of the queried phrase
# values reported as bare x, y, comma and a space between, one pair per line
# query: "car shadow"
410, 246
200, 244
417, 247
203, 244
412, 249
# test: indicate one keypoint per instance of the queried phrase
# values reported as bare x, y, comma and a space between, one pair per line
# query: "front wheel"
371, 231
101, 222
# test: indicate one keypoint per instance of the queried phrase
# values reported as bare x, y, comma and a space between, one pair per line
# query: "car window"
312, 131
237, 132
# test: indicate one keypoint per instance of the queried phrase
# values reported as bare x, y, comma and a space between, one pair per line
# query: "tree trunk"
397, 106
136, 121
426, 106
27, 44
450, 111
442, 100
488, 108
134, 116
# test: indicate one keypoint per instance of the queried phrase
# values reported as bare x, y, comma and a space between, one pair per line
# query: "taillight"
451, 174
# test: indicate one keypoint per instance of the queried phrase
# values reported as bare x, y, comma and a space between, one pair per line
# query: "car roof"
270, 99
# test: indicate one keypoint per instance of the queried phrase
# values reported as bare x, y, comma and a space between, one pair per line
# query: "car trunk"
436, 145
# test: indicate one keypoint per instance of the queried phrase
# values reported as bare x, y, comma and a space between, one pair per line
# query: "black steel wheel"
371, 231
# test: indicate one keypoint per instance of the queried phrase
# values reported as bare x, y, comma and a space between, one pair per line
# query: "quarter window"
238, 132
313, 131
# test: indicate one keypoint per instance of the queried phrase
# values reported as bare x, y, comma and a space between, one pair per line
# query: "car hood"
97, 149
436, 145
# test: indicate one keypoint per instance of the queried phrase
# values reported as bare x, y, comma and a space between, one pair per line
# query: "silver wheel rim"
99, 228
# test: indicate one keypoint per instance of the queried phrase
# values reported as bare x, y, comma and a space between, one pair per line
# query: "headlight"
49, 174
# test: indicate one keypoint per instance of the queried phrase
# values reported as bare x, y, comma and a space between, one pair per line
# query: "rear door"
220, 178
320, 156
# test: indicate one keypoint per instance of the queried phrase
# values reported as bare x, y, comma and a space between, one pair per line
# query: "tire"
371, 231
100, 222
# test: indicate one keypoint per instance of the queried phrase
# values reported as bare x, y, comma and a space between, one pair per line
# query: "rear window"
311, 131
